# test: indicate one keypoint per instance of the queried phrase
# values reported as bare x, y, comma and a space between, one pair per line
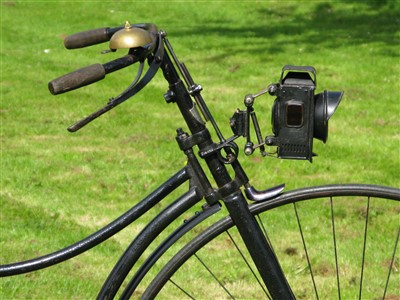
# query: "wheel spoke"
335, 247
248, 264
364, 247
391, 264
265, 233
213, 275
181, 289
305, 250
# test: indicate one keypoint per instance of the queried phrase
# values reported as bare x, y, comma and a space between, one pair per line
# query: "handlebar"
91, 74
77, 79
97, 72
153, 52
99, 35
89, 37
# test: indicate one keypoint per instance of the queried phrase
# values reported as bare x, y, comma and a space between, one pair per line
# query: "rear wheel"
332, 242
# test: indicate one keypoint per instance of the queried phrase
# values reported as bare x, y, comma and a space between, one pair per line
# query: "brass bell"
130, 37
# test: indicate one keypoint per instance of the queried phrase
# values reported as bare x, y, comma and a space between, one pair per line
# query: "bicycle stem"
229, 189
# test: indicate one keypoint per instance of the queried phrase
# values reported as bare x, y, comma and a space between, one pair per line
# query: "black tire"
342, 244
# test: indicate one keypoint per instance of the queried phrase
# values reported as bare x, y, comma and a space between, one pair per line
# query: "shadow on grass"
325, 25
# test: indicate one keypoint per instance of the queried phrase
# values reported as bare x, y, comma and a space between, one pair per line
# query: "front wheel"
332, 242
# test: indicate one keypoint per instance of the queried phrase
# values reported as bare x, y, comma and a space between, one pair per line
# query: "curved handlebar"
90, 74
100, 35
96, 72
77, 79
154, 52
89, 37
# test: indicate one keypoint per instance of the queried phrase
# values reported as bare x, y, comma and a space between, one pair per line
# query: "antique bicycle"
240, 242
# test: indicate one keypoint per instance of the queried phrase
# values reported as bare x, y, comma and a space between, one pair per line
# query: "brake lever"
133, 89
111, 104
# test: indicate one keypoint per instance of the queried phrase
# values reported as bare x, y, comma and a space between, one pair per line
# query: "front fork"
258, 247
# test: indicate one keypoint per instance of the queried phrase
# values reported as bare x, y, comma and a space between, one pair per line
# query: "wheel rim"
326, 278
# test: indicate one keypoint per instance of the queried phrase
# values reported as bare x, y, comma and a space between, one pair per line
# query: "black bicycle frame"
228, 188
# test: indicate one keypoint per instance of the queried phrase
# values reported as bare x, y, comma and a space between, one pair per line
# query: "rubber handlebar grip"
87, 38
77, 79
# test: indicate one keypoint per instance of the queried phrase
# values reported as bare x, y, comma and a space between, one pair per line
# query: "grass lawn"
58, 187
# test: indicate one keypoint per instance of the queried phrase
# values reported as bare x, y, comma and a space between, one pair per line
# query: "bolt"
248, 150
272, 89
169, 96
269, 140
248, 100
179, 131
163, 33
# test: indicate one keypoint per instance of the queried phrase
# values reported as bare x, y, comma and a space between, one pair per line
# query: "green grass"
58, 187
